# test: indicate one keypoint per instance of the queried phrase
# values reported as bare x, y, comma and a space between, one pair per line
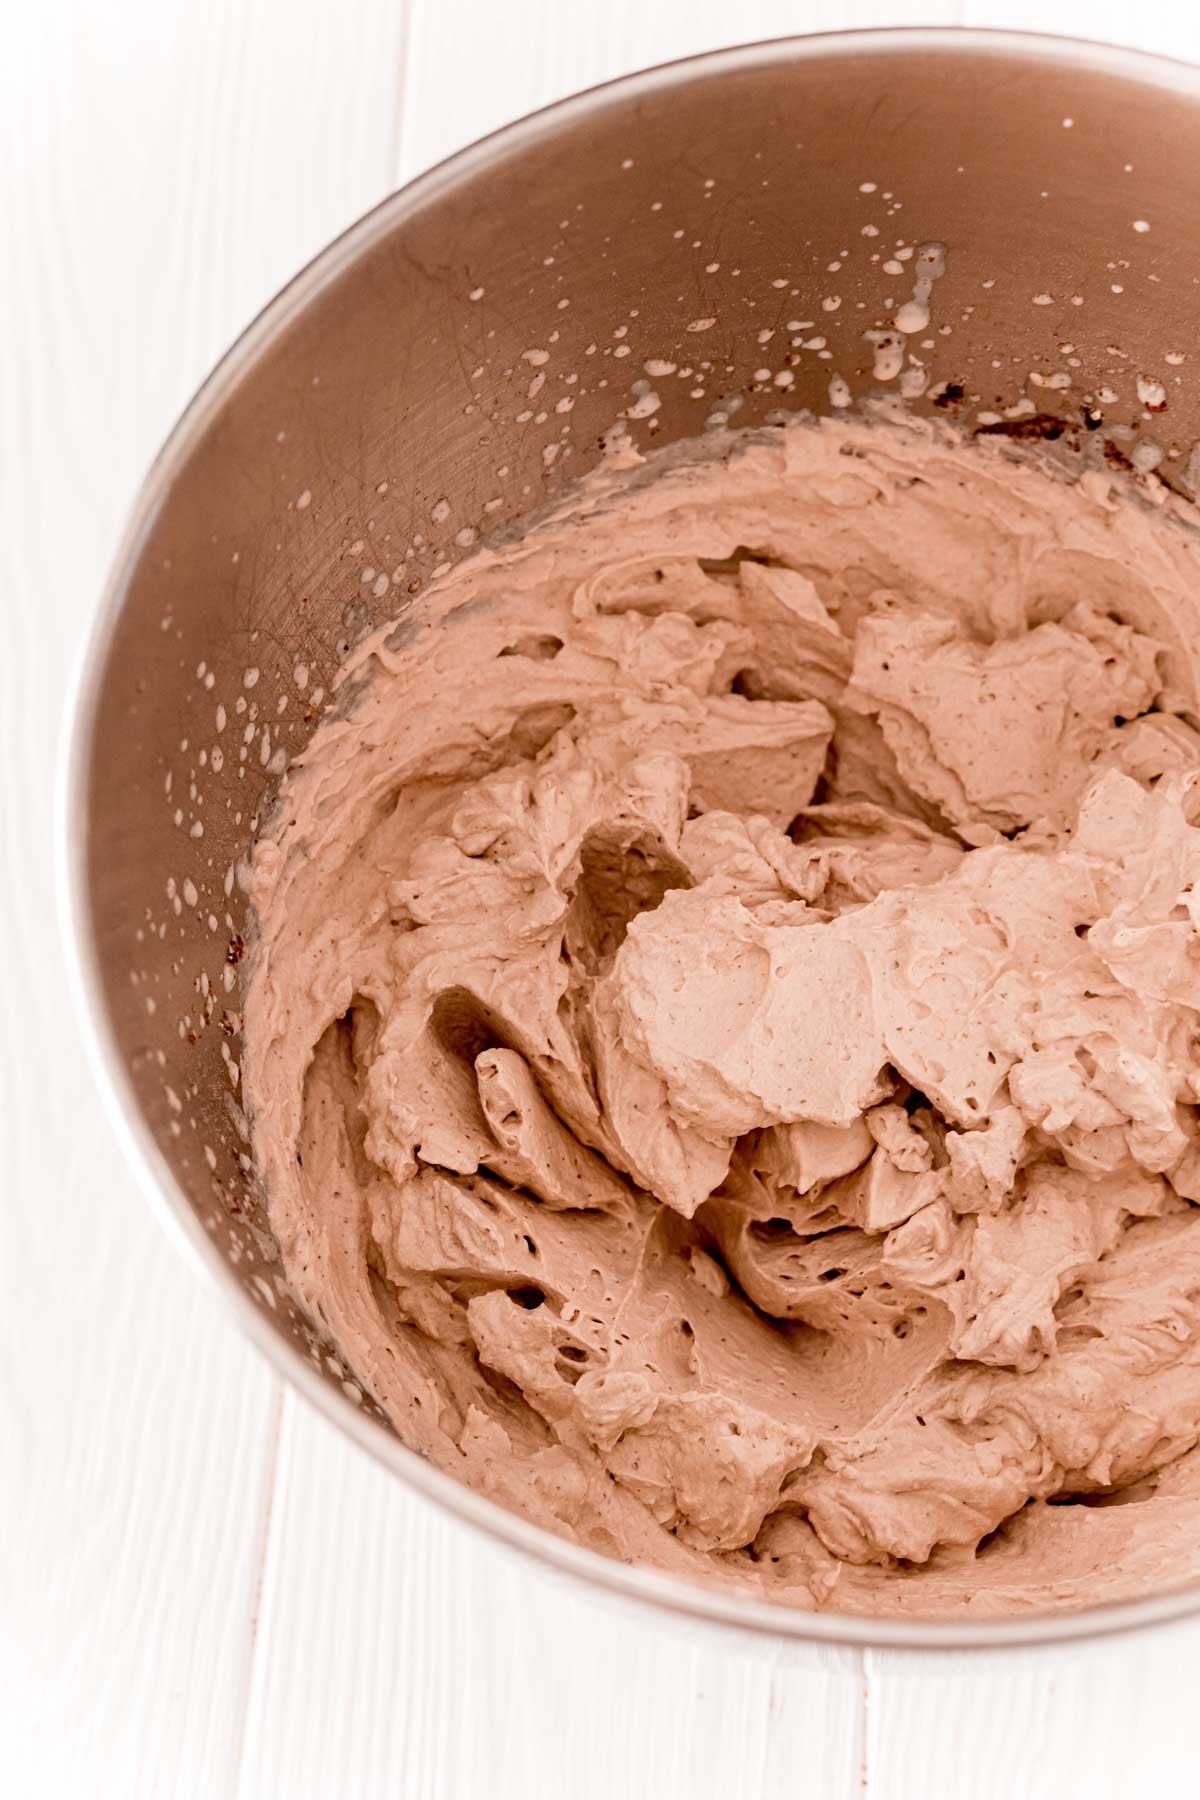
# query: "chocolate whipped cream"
721, 1039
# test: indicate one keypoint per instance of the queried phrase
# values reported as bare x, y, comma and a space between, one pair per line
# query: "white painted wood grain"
162, 168
183, 1611
1105, 1721
1168, 27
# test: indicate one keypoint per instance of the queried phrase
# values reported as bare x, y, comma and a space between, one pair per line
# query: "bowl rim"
652, 1591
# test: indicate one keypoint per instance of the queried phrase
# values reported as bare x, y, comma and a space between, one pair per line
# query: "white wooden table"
164, 166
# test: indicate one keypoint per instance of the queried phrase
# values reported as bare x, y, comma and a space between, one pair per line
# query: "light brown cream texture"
722, 1038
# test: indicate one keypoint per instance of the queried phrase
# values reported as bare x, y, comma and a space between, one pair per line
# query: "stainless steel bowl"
727, 215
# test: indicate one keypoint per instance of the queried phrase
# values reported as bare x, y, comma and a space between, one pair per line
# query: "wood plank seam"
261, 1551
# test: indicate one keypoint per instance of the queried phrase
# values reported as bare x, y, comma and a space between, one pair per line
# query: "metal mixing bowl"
454, 361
